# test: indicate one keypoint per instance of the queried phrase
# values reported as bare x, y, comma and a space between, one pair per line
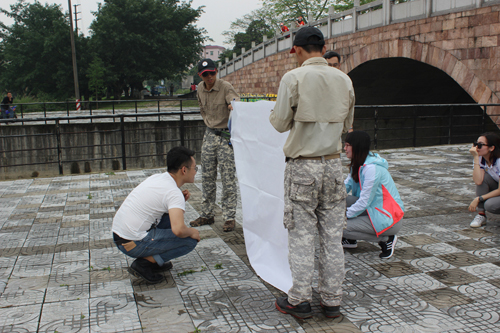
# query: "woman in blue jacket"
375, 207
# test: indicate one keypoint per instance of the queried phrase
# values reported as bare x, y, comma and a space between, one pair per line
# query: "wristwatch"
481, 199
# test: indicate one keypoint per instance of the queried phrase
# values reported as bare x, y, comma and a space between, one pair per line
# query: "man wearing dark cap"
315, 103
215, 97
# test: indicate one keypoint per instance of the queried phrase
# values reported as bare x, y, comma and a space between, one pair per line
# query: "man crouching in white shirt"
150, 225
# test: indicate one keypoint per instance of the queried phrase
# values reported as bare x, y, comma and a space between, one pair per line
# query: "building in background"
212, 52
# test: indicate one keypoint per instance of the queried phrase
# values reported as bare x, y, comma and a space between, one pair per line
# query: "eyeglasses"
480, 144
207, 73
195, 168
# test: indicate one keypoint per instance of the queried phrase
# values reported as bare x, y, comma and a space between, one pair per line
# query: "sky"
217, 17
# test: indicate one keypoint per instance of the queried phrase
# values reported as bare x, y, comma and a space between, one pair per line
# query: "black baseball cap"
206, 65
304, 33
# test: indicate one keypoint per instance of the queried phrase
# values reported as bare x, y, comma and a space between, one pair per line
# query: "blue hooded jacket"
385, 207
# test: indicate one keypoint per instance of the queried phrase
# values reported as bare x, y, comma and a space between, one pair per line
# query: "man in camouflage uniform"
215, 97
314, 190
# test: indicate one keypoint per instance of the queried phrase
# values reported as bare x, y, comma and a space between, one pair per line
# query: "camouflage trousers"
216, 151
315, 203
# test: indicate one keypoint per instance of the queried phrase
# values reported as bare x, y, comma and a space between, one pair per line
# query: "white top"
493, 170
366, 189
145, 205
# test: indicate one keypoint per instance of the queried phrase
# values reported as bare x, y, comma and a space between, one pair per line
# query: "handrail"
425, 8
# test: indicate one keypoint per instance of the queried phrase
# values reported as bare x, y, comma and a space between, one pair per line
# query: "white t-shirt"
145, 205
493, 170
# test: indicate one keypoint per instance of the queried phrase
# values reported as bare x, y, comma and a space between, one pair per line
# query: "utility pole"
76, 17
73, 52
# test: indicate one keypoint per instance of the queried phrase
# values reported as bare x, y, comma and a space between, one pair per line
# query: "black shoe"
331, 311
388, 247
349, 243
166, 267
143, 268
301, 311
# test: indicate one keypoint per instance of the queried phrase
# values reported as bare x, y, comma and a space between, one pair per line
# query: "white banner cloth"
260, 166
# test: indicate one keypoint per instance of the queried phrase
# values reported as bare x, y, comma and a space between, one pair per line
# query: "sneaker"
202, 221
388, 247
478, 221
160, 269
349, 243
331, 311
143, 269
301, 311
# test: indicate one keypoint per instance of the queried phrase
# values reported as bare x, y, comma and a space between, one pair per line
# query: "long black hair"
360, 142
492, 139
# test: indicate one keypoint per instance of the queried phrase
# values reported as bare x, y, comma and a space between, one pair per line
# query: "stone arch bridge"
419, 46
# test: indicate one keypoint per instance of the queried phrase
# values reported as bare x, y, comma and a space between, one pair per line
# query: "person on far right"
486, 153
375, 207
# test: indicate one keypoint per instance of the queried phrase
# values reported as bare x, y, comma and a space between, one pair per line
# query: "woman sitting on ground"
486, 153
375, 207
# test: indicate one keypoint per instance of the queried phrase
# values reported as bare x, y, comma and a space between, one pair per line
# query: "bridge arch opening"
408, 83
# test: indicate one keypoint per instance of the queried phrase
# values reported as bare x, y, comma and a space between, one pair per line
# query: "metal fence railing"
395, 126
104, 107
129, 138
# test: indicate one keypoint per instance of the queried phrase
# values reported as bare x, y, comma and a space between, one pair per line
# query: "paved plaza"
60, 272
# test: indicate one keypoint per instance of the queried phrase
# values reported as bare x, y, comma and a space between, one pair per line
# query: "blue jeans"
7, 113
161, 243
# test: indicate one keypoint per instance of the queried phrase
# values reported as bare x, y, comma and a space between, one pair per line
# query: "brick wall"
465, 45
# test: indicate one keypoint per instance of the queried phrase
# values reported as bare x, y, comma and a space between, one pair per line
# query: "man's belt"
318, 158
224, 132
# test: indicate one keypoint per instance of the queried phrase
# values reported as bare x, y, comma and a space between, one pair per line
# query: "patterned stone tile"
479, 291
475, 233
419, 239
460, 259
14, 297
430, 264
444, 297
111, 288
70, 256
66, 316
448, 236
492, 255
410, 253
20, 318
468, 245
481, 316
24, 271
453, 277
114, 314
418, 282
483, 271
394, 269
439, 248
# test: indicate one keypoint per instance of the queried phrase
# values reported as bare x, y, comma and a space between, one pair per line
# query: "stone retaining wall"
88, 144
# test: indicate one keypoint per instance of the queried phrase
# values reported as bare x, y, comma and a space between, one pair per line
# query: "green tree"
96, 75
145, 39
36, 51
253, 33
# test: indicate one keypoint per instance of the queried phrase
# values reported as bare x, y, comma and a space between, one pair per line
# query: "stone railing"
368, 16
